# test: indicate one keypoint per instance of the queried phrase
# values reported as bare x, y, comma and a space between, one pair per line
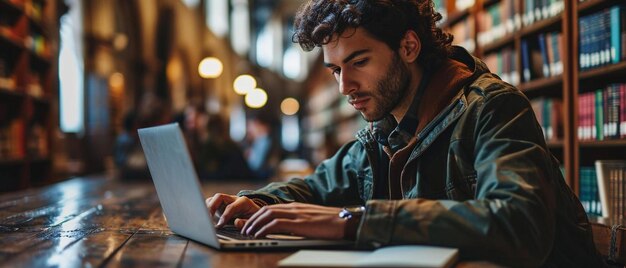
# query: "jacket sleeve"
511, 219
334, 183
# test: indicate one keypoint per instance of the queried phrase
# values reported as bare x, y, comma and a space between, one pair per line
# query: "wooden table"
95, 222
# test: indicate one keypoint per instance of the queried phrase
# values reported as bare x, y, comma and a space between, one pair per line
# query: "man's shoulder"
488, 86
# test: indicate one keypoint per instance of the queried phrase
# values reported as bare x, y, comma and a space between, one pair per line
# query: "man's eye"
361, 62
336, 71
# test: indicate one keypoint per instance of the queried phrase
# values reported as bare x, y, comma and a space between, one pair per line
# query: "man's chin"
371, 117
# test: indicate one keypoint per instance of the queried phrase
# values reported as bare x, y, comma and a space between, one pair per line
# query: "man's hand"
230, 207
299, 219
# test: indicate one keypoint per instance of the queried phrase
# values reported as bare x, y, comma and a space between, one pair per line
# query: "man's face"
369, 73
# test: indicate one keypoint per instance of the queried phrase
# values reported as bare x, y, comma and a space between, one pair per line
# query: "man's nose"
346, 85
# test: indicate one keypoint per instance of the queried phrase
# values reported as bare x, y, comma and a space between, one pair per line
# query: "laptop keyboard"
234, 233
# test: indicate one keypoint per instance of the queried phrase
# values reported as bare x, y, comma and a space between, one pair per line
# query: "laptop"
180, 194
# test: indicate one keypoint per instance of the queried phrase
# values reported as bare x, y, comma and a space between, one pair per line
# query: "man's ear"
410, 46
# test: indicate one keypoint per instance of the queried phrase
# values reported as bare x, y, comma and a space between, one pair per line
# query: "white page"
395, 256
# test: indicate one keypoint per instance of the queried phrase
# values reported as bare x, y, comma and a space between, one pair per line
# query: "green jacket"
481, 180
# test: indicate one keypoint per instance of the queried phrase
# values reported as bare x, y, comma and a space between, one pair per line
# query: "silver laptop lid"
177, 183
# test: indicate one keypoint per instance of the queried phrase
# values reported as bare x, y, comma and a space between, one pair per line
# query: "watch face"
349, 212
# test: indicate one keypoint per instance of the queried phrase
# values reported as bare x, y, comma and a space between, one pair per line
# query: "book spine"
613, 110
544, 55
556, 46
623, 32
605, 113
580, 127
582, 41
615, 34
623, 111
602, 188
550, 52
599, 115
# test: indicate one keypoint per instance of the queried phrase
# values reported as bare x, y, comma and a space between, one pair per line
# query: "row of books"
32, 8
497, 21
611, 184
549, 114
536, 10
541, 56
602, 38
37, 141
463, 32
37, 43
602, 113
7, 82
11, 138
504, 64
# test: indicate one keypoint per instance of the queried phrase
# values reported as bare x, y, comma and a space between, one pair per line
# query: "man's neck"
416, 73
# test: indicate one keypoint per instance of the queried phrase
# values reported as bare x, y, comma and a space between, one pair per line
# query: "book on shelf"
11, 140
463, 32
549, 114
541, 56
497, 21
589, 191
601, 38
7, 82
37, 142
536, 10
611, 180
602, 113
34, 87
504, 64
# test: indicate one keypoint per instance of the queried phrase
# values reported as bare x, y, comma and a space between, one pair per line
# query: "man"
453, 156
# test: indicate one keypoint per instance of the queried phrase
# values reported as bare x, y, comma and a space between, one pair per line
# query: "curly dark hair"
386, 20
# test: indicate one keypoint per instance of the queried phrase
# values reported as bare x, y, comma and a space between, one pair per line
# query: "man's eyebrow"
349, 57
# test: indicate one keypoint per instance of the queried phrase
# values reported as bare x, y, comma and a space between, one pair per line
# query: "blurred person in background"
129, 158
220, 158
261, 150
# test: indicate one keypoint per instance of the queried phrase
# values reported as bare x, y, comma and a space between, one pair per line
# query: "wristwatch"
352, 216
353, 211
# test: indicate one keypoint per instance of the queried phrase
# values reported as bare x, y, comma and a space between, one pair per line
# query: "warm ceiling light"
244, 84
289, 106
116, 80
210, 67
256, 98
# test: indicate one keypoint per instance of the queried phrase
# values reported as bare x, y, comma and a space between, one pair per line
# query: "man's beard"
389, 90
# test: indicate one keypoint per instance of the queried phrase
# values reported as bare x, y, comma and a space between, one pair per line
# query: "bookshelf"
586, 86
555, 22
26, 80
587, 80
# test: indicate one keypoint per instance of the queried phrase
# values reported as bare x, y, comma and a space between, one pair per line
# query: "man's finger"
218, 201
278, 226
239, 223
233, 209
266, 217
